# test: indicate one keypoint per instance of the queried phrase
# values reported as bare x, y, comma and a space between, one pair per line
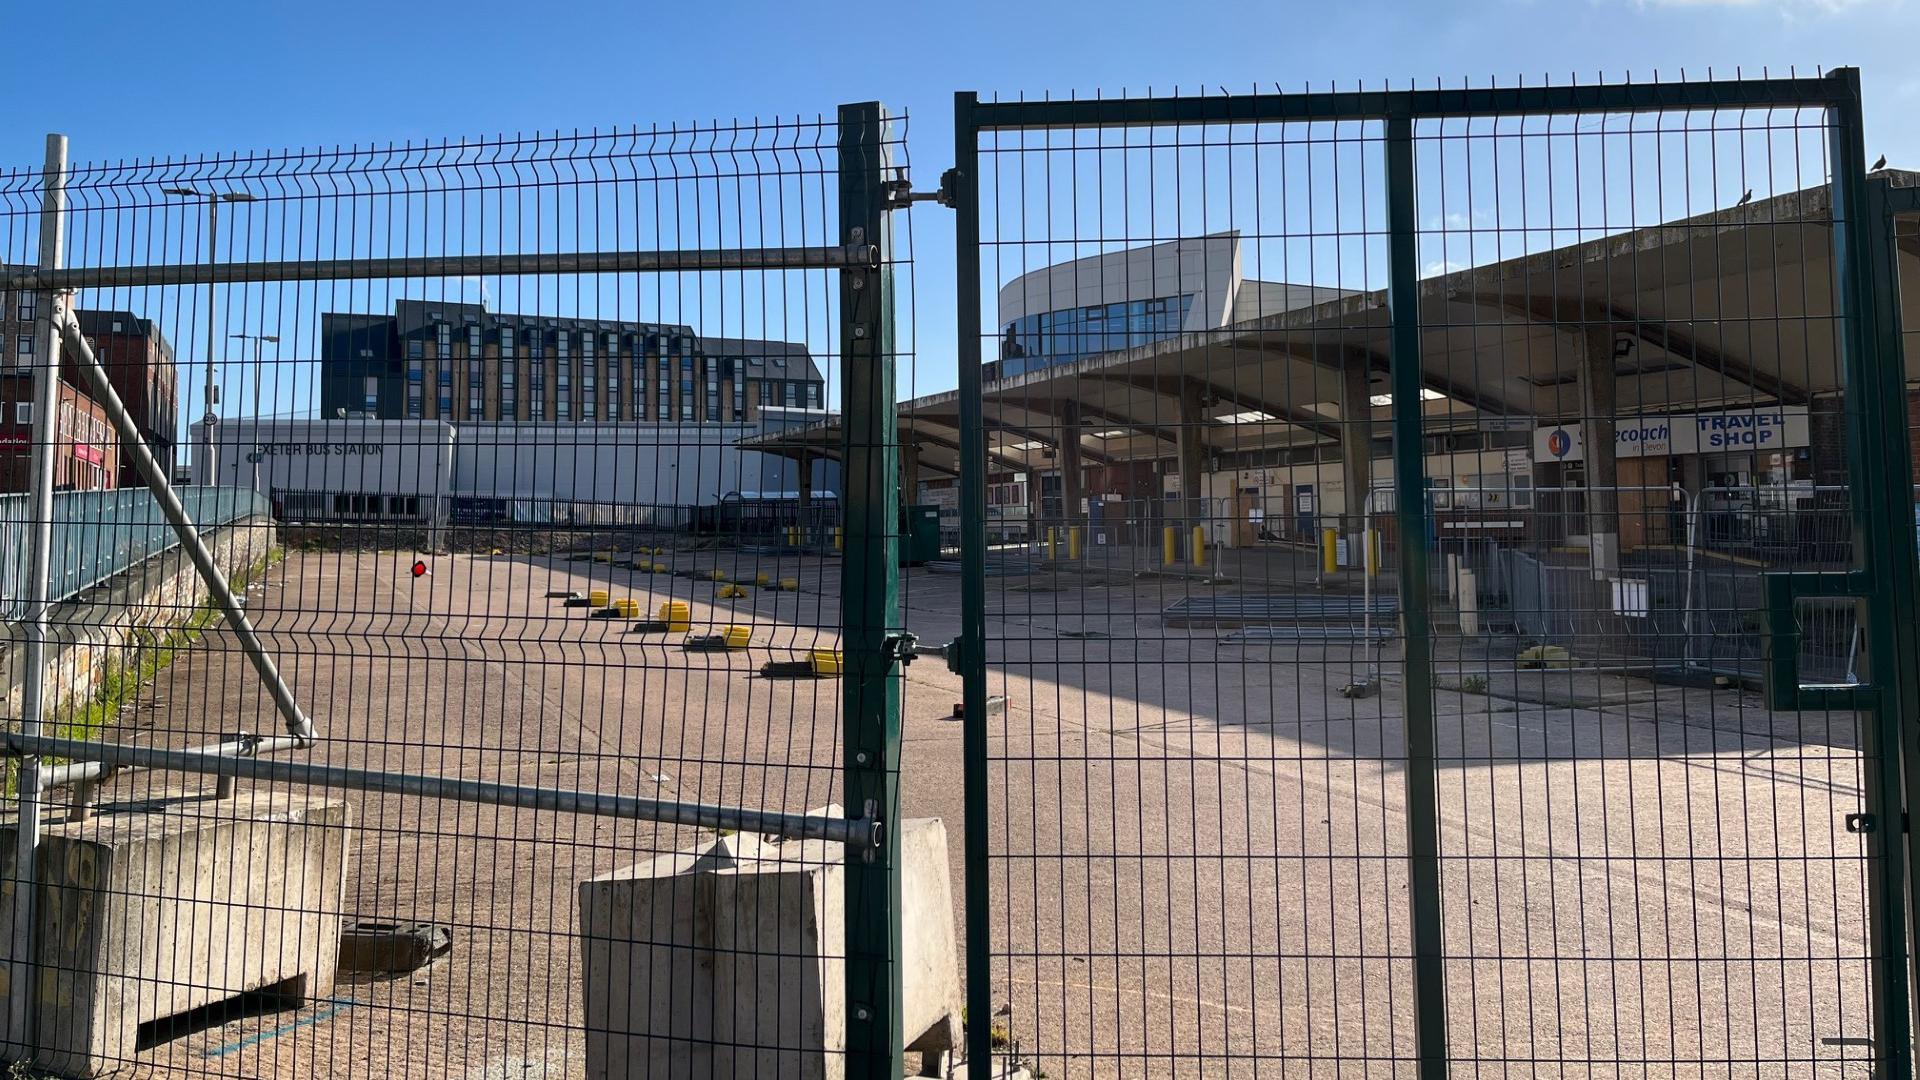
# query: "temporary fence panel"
1586, 378
580, 775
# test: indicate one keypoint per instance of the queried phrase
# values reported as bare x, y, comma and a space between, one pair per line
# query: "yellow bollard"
1051, 541
1200, 546
597, 598
1330, 551
628, 607
1373, 553
839, 539
677, 615
760, 578
793, 537
1073, 542
1169, 546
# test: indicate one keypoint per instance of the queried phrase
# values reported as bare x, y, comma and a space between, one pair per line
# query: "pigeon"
1745, 199
1878, 165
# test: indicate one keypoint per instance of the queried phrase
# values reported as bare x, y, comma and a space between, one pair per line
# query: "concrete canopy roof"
1733, 307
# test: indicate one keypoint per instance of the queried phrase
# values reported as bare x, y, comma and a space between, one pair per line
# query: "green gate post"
1884, 203
1880, 473
1410, 507
870, 588
965, 191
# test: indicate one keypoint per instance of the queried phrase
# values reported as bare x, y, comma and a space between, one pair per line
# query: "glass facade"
1033, 342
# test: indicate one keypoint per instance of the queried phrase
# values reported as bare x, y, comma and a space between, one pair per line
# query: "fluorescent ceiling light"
1387, 399
1251, 416
1114, 434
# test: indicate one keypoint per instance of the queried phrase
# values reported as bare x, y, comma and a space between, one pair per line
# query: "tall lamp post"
259, 342
213, 200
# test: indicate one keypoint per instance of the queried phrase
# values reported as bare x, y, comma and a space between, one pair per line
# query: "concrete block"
155, 909
726, 960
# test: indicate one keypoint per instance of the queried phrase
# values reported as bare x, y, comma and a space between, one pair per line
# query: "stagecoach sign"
1731, 430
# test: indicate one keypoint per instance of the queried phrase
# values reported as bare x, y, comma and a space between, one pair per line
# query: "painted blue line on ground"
336, 1007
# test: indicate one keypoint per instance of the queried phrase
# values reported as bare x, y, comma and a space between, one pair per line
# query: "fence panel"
1548, 382
1197, 849
579, 791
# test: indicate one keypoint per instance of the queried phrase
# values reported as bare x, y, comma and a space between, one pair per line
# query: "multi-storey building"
139, 363
461, 362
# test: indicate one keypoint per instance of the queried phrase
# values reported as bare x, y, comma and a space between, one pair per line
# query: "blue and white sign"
1728, 431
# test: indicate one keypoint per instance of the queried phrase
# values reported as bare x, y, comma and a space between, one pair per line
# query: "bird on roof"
1878, 165
1745, 199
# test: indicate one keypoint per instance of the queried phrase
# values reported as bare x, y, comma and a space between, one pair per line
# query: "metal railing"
98, 534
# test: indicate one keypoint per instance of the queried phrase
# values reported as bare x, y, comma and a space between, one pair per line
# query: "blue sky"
222, 75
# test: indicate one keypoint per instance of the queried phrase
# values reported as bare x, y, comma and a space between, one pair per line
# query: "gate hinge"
901, 647
952, 652
1860, 823
900, 191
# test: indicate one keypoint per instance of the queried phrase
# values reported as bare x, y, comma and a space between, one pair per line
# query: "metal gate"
463, 719
1284, 774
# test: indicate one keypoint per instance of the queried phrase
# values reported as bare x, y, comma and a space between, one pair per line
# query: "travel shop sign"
1730, 431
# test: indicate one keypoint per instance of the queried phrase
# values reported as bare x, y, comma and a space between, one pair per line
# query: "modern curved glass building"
1069, 311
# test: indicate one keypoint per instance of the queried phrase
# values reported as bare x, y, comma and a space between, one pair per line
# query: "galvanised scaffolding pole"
22, 972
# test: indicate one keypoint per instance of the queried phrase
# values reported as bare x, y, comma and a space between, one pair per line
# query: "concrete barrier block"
727, 959
156, 909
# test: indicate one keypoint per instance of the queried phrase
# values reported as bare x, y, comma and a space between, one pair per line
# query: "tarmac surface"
1198, 850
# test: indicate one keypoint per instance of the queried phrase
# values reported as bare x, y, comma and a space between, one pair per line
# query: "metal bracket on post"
901, 648
900, 193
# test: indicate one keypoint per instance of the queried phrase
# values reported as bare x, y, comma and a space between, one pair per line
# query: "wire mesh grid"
1644, 863
1198, 862
1198, 611
510, 535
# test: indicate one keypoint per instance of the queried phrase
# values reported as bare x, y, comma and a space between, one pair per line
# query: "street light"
259, 342
214, 199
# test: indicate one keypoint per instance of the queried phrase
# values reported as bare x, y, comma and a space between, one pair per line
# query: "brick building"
139, 363
89, 458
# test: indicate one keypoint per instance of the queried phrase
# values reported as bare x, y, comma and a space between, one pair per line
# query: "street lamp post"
259, 341
214, 199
